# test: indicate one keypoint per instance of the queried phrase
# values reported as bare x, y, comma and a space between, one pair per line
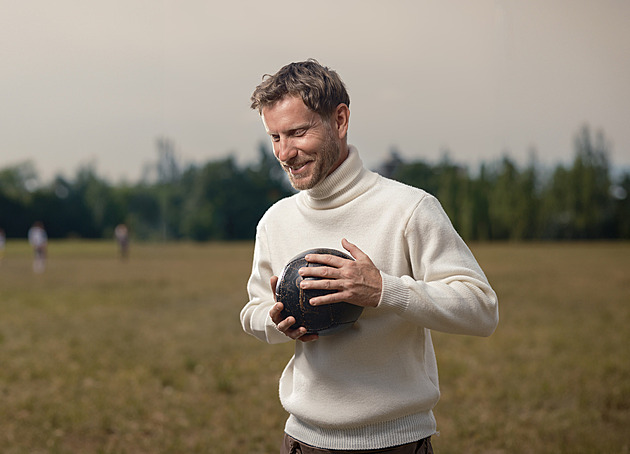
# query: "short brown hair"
319, 87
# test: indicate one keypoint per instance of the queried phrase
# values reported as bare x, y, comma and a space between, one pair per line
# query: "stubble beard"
325, 160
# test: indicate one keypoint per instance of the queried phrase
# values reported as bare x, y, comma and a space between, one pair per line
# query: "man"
371, 387
38, 239
3, 240
121, 233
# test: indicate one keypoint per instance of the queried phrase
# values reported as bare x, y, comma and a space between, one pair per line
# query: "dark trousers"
292, 446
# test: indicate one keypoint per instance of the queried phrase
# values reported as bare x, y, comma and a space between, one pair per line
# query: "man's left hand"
356, 282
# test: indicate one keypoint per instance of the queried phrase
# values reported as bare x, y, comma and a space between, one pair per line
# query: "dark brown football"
323, 320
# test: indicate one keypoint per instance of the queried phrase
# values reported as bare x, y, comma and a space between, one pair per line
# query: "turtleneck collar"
347, 182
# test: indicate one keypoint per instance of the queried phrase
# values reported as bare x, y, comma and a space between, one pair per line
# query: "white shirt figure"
38, 240
3, 240
121, 232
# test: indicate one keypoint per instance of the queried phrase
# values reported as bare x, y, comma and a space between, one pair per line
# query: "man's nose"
285, 149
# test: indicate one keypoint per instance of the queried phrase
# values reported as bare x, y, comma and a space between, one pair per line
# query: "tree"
19, 181
577, 202
504, 199
590, 182
621, 206
221, 200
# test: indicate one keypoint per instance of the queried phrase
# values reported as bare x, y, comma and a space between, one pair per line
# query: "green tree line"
222, 200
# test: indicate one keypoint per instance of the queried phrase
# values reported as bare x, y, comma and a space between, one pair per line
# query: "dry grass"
139, 357
555, 376
147, 356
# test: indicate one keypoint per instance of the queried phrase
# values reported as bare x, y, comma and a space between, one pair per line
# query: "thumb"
273, 282
353, 250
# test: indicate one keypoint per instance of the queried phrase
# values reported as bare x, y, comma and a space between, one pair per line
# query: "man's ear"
341, 119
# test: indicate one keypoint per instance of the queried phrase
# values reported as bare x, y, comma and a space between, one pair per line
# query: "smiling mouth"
296, 169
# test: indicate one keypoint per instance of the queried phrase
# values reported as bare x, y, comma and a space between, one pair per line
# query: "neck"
349, 181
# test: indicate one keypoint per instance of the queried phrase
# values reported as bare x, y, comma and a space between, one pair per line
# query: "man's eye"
299, 132
275, 138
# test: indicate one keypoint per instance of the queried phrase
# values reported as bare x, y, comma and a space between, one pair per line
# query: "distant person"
121, 232
3, 241
371, 388
38, 240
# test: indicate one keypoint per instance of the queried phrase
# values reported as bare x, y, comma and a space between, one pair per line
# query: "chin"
301, 184
307, 182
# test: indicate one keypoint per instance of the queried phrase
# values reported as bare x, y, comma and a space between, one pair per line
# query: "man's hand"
357, 282
284, 324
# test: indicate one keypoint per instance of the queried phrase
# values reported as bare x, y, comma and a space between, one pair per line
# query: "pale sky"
99, 81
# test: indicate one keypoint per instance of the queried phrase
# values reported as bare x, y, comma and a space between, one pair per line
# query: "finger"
331, 298
326, 259
299, 333
322, 272
328, 282
353, 249
286, 324
308, 338
275, 313
273, 282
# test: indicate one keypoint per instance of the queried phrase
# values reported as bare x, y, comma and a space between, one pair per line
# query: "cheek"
310, 145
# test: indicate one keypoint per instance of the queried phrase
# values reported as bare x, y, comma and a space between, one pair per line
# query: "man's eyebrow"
300, 127
292, 129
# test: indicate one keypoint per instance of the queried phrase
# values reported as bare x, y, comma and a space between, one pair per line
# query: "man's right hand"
284, 324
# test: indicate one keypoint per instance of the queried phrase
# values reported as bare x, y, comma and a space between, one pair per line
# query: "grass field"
147, 356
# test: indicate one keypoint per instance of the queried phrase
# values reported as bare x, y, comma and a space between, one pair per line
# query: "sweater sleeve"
448, 290
255, 317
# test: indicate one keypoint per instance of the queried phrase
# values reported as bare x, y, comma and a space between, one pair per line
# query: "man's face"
307, 147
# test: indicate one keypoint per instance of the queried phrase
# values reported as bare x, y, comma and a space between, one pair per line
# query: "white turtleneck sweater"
375, 384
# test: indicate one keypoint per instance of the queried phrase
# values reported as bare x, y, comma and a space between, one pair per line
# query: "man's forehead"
288, 112
286, 102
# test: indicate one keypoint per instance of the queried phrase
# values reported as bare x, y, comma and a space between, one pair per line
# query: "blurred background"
133, 117
513, 112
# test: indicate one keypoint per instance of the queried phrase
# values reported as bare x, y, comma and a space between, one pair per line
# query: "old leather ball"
323, 320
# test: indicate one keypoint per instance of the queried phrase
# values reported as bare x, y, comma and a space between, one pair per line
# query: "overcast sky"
97, 82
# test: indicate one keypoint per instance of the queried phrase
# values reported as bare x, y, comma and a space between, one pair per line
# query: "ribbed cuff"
394, 293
